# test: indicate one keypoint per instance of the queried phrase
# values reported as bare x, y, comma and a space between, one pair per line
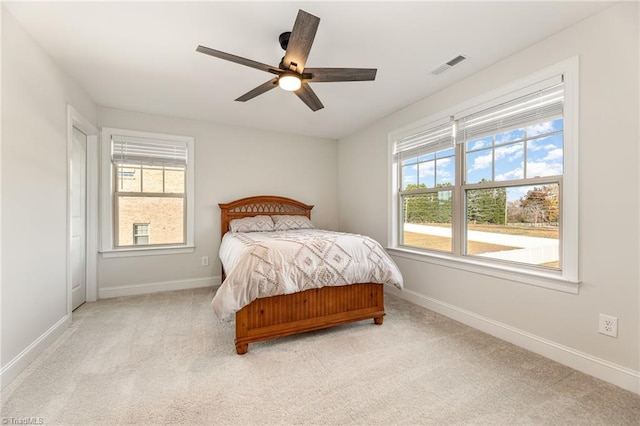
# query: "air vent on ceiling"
453, 62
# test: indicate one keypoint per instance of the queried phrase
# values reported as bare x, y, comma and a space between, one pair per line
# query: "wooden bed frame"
295, 313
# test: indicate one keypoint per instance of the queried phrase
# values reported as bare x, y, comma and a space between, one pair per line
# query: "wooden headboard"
260, 205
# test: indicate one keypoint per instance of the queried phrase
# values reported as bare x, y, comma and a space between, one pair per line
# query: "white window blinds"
543, 104
424, 140
132, 150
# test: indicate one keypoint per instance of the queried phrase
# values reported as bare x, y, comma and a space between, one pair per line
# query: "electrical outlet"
608, 325
205, 261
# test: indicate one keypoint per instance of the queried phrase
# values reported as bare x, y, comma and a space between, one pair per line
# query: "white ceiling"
141, 56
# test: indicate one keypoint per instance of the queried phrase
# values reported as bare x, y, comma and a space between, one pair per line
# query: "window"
426, 161
147, 192
494, 183
140, 234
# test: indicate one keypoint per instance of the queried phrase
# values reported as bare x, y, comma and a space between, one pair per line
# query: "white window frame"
568, 278
107, 182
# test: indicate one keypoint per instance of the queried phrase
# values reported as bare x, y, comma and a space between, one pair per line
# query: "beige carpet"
164, 358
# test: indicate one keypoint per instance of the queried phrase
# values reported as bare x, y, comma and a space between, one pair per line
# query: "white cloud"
509, 136
541, 143
444, 174
479, 144
511, 152
426, 168
444, 162
482, 162
512, 174
538, 129
554, 154
540, 168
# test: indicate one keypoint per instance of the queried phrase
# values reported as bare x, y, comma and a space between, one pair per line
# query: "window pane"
152, 179
127, 178
517, 224
408, 161
479, 166
545, 156
410, 177
445, 172
509, 162
174, 181
165, 217
426, 174
427, 220
140, 240
140, 229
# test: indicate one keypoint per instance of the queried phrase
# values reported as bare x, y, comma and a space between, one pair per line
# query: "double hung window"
487, 184
149, 192
426, 161
140, 234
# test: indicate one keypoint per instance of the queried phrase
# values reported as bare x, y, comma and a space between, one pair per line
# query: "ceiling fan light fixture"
289, 82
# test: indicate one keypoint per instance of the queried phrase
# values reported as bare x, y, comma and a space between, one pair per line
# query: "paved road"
532, 250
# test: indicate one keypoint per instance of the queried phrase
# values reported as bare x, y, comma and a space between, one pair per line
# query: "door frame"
77, 120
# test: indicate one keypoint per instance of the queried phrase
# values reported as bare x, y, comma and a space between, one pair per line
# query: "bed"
261, 318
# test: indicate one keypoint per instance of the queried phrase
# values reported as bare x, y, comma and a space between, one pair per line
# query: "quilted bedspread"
263, 264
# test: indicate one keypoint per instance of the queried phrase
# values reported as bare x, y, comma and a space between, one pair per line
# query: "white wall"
230, 163
35, 94
560, 325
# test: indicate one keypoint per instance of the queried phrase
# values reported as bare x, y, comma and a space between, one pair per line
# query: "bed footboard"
313, 309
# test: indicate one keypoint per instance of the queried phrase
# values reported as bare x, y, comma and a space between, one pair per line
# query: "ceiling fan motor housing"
284, 39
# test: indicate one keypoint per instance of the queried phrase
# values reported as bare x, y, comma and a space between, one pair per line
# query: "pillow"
287, 222
251, 224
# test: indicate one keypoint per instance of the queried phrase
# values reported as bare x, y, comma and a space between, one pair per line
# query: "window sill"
147, 251
540, 279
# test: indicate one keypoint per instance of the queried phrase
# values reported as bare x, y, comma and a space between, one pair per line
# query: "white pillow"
251, 224
287, 222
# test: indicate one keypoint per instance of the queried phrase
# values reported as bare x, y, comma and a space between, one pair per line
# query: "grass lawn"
444, 243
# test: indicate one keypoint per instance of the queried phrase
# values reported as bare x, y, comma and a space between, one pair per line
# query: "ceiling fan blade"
340, 74
300, 41
265, 87
238, 59
309, 97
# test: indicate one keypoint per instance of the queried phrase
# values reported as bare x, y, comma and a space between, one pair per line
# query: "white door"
78, 219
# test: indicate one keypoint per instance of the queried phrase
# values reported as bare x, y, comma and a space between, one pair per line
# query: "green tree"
487, 205
427, 208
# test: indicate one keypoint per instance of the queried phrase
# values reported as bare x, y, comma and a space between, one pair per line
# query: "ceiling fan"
291, 73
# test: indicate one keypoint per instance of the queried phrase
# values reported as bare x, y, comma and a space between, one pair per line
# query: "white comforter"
263, 264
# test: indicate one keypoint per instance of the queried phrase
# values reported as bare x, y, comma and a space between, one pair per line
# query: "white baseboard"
618, 375
136, 289
31, 352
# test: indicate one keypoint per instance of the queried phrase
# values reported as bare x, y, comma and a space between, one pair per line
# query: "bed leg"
242, 348
378, 320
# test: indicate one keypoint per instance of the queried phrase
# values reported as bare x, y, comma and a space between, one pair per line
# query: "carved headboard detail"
260, 205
